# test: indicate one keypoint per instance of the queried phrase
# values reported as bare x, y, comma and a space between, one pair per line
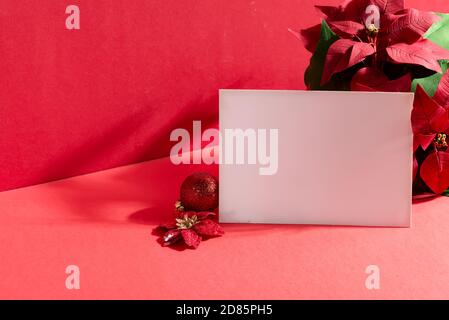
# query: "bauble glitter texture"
199, 192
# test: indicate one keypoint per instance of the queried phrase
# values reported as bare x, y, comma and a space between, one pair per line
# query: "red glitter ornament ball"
199, 192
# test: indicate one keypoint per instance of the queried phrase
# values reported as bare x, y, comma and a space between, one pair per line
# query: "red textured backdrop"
77, 101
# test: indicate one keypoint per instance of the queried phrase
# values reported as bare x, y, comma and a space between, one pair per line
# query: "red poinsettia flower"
396, 38
190, 227
430, 122
429, 119
347, 18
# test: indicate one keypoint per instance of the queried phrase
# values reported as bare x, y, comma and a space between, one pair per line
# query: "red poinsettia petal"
204, 214
423, 52
389, 6
435, 171
355, 9
415, 167
359, 52
410, 25
336, 56
332, 13
346, 28
309, 36
427, 116
423, 140
171, 237
442, 94
386, 20
343, 54
168, 225
191, 238
208, 228
372, 79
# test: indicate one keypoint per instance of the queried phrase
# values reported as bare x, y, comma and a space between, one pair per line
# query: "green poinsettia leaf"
312, 76
438, 33
430, 84
446, 193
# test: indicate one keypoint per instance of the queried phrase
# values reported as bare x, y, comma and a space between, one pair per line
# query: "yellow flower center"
372, 29
179, 206
186, 222
440, 141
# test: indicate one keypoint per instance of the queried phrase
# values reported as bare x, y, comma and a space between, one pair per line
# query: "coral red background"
77, 101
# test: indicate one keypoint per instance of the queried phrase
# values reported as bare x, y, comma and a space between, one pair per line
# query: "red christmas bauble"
199, 192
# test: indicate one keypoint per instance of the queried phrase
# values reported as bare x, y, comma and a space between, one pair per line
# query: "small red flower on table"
191, 228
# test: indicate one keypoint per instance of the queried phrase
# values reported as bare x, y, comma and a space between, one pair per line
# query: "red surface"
102, 222
77, 101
